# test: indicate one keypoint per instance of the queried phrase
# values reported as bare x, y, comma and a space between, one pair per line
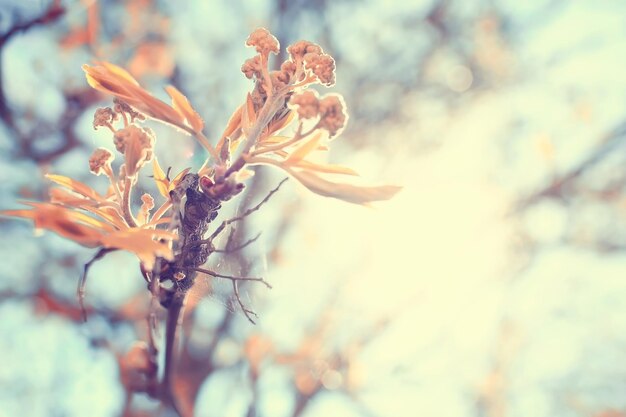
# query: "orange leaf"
327, 168
181, 105
177, 179
346, 192
160, 178
248, 115
233, 124
303, 150
75, 186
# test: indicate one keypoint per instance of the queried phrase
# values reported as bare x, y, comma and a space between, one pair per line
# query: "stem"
299, 135
161, 211
128, 216
175, 314
306, 81
111, 175
272, 105
205, 143
266, 75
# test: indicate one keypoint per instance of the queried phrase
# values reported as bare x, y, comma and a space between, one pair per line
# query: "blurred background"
493, 285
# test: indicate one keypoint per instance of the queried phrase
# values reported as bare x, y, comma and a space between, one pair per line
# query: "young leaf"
346, 192
326, 168
181, 104
160, 178
76, 186
303, 150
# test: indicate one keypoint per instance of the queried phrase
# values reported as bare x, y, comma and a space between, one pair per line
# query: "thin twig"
80, 291
228, 249
247, 312
233, 278
246, 213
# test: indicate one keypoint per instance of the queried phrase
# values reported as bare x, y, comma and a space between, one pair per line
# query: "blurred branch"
609, 143
53, 13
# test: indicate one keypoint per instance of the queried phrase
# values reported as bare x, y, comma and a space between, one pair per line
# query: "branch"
246, 213
54, 12
229, 249
80, 291
235, 280
609, 143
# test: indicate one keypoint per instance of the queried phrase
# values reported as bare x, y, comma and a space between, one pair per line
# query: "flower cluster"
330, 109
254, 135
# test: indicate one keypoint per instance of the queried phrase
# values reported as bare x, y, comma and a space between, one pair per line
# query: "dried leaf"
182, 105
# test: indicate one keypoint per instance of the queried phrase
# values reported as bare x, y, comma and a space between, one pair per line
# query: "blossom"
137, 145
307, 104
323, 66
298, 49
333, 116
100, 161
104, 116
263, 41
252, 67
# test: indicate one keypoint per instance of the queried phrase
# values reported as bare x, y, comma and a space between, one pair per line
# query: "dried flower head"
100, 161
137, 145
121, 107
104, 117
300, 48
307, 104
323, 66
252, 67
332, 114
263, 41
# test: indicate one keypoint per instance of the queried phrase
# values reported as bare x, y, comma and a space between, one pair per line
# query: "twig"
233, 278
54, 12
80, 291
228, 249
611, 141
248, 313
246, 213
